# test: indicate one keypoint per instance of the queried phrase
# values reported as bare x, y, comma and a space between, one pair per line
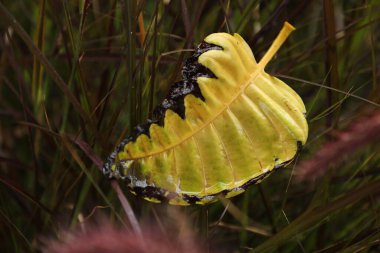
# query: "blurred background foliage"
79, 75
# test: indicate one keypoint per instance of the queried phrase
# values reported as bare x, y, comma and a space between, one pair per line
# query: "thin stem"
127, 208
277, 43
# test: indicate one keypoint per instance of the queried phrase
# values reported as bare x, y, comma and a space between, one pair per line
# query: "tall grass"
76, 76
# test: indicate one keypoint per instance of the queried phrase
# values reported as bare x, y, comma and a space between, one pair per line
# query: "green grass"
76, 76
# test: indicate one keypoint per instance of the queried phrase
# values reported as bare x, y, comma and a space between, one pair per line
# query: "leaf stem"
277, 43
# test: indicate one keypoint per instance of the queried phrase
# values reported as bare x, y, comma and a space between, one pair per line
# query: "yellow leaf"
226, 125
